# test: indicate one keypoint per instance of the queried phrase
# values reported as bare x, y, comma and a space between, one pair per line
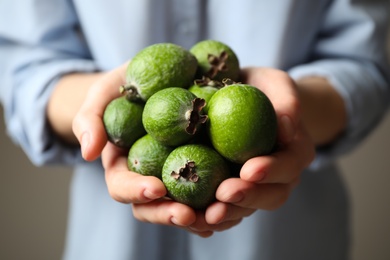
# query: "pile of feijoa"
183, 118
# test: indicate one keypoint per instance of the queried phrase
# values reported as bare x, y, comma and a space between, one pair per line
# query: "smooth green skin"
123, 122
242, 123
165, 116
160, 66
211, 168
205, 92
147, 156
202, 49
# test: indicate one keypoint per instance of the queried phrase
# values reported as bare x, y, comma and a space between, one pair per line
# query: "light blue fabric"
313, 224
343, 40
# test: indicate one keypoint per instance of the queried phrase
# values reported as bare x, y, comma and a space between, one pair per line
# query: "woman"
322, 64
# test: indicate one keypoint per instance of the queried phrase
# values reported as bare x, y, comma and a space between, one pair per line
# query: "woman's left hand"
266, 181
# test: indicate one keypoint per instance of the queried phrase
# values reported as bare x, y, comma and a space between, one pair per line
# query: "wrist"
323, 109
66, 99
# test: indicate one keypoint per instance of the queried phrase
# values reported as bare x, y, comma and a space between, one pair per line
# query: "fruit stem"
130, 91
207, 82
227, 82
187, 172
195, 116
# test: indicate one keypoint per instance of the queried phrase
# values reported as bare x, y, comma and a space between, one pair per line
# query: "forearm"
66, 100
323, 109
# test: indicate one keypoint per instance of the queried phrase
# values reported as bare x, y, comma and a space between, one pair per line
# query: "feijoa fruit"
192, 174
147, 156
216, 60
242, 122
123, 121
156, 67
205, 88
173, 116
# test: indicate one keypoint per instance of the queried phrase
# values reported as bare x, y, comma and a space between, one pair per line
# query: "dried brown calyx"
130, 91
194, 116
206, 81
227, 82
187, 172
217, 63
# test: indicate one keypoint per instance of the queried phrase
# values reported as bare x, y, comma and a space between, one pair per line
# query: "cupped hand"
146, 193
266, 181
88, 123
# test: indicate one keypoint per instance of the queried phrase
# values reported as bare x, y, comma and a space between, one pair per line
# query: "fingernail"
261, 176
150, 195
194, 229
287, 129
175, 222
236, 197
84, 142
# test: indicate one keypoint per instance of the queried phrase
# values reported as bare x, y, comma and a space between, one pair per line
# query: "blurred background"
33, 201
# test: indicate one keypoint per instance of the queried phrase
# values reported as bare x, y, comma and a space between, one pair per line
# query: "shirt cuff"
26, 112
366, 96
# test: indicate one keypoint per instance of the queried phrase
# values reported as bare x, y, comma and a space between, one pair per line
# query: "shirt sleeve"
39, 42
350, 52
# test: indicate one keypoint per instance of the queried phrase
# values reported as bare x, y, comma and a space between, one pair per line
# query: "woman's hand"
266, 181
88, 123
145, 193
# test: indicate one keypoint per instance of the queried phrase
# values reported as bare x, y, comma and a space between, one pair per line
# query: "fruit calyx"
217, 63
131, 92
118, 142
227, 82
187, 172
207, 82
194, 116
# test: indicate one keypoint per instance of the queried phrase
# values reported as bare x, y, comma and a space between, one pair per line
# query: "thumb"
282, 92
88, 124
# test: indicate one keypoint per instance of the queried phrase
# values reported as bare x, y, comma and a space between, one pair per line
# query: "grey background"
33, 201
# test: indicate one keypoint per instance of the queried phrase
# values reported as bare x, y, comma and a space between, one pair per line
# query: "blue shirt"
341, 40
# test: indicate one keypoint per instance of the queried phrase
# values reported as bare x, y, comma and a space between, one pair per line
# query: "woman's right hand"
146, 193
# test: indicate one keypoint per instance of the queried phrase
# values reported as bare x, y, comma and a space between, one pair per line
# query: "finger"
201, 226
126, 186
88, 124
203, 234
251, 195
165, 212
283, 166
282, 91
220, 212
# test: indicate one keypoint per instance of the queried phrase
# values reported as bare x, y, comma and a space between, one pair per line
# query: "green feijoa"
123, 121
147, 156
216, 60
173, 116
242, 122
192, 174
205, 88
156, 67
